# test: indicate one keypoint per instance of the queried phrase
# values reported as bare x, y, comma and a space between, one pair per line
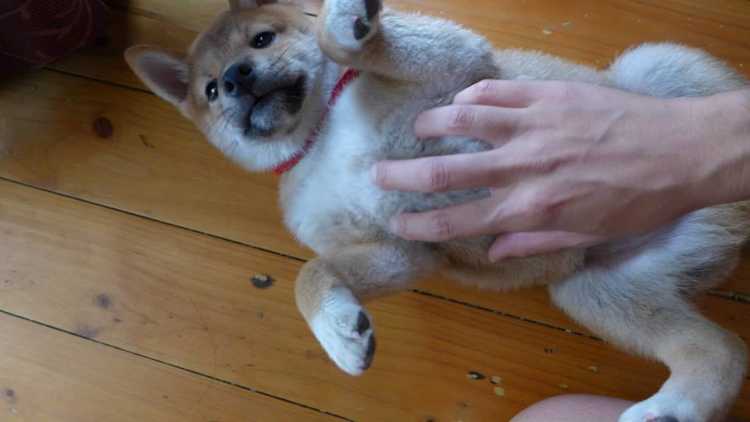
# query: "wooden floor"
126, 258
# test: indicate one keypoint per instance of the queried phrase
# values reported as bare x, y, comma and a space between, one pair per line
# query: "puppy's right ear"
235, 5
165, 73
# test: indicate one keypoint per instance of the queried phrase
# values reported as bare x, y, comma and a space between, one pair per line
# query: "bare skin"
576, 408
574, 164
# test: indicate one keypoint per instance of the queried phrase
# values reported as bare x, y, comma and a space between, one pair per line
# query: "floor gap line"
171, 365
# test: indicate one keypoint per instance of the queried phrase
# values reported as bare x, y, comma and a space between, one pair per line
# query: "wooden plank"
154, 163
588, 31
104, 61
593, 32
185, 298
51, 376
189, 14
165, 23
727, 306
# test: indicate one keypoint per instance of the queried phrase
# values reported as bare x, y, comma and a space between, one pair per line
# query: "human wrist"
722, 135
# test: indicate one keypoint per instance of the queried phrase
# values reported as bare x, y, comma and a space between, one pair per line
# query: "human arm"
575, 164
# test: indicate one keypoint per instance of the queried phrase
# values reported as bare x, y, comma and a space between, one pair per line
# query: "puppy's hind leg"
643, 310
329, 290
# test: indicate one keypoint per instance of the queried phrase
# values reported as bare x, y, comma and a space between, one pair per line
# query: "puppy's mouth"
273, 107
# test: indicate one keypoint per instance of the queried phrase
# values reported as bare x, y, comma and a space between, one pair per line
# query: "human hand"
571, 165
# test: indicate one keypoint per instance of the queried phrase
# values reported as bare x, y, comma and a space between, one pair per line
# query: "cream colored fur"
633, 292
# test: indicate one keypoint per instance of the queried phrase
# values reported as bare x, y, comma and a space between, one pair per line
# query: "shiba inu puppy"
322, 101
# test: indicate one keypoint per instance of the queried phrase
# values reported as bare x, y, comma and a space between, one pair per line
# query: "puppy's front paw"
350, 23
344, 330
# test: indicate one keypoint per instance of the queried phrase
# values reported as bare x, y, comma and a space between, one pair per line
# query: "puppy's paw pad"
372, 8
361, 29
363, 24
352, 21
363, 323
346, 334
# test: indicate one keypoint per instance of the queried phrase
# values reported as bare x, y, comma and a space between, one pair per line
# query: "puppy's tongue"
263, 115
273, 105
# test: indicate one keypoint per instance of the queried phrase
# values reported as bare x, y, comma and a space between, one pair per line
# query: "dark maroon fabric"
34, 33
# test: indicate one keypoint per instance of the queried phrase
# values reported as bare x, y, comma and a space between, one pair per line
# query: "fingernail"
502, 257
495, 258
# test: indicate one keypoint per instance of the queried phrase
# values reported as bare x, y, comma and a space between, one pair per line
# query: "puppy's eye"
212, 91
263, 39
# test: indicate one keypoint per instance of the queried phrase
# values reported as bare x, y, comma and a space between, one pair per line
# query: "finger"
522, 244
438, 174
501, 93
465, 220
492, 124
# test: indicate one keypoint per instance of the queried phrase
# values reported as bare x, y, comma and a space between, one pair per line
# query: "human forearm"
723, 127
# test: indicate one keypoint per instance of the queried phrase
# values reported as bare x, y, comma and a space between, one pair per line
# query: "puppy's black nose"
238, 79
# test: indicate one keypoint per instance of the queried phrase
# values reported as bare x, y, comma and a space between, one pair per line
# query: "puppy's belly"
332, 232
335, 207
331, 202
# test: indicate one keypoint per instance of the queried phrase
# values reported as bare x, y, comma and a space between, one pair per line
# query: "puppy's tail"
672, 70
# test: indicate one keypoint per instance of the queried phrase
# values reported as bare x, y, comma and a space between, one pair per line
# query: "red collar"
345, 79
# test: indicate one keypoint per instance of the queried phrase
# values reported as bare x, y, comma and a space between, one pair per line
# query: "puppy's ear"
165, 73
235, 5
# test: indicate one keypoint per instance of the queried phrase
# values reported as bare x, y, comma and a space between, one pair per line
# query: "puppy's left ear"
164, 72
235, 5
